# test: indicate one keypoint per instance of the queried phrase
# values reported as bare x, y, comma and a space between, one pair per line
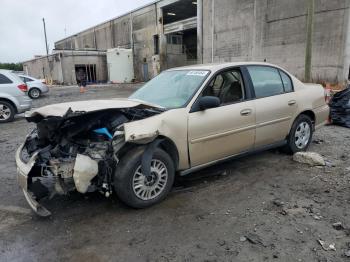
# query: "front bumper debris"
23, 170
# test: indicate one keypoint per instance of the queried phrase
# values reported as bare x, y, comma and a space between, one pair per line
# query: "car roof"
218, 66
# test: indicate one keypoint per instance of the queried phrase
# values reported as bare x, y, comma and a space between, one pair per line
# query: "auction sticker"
197, 73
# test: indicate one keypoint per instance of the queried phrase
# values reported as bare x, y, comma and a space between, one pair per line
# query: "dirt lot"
259, 208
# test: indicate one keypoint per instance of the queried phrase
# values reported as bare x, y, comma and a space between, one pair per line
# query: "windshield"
171, 89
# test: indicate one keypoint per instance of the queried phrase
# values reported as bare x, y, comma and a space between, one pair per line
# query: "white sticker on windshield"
197, 73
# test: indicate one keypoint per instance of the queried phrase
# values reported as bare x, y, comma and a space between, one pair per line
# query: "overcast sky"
21, 28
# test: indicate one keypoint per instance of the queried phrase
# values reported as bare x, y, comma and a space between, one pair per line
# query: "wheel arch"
310, 114
166, 144
169, 146
10, 102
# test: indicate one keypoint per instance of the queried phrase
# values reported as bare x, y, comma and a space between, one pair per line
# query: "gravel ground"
263, 207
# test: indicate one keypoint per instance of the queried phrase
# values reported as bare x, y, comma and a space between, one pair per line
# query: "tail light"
23, 87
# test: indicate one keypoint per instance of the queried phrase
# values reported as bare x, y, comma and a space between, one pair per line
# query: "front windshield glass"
171, 89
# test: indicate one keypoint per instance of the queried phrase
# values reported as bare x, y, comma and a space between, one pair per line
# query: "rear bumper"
23, 169
25, 104
44, 89
322, 116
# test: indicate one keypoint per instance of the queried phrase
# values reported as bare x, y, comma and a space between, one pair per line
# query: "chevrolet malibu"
181, 121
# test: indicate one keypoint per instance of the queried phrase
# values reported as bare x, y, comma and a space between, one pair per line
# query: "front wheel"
300, 135
134, 188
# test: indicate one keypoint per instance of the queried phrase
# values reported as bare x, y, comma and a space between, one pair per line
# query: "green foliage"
12, 66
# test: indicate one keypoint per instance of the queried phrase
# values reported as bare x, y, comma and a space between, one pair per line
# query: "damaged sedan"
181, 121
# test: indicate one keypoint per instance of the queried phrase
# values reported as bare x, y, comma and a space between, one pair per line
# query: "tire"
7, 112
129, 183
34, 93
296, 143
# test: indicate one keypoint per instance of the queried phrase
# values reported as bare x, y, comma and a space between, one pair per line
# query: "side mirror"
207, 102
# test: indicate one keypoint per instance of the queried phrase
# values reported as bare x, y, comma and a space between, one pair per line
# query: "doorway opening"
89, 70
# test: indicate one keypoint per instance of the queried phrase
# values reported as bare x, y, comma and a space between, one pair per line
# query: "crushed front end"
75, 152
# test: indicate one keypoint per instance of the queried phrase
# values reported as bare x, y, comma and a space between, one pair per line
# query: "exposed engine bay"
78, 151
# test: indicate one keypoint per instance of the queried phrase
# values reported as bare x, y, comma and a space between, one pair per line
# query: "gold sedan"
183, 120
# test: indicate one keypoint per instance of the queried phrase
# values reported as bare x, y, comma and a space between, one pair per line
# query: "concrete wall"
45, 68
235, 30
144, 27
346, 71
61, 66
70, 60
275, 30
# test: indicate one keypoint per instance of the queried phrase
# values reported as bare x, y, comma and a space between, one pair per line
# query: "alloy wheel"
5, 112
302, 135
147, 188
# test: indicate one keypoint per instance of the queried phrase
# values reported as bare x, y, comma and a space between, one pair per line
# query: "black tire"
7, 105
34, 93
124, 175
291, 146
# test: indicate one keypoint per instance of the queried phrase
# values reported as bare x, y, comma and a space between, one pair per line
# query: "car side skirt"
236, 156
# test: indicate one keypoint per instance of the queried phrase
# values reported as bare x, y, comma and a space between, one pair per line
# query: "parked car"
181, 121
13, 96
36, 87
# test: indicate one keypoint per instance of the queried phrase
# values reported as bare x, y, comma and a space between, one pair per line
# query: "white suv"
13, 96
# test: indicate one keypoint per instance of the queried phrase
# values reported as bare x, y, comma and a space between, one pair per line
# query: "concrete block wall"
45, 68
275, 30
144, 27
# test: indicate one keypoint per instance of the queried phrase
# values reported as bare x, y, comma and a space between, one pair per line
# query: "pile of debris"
340, 108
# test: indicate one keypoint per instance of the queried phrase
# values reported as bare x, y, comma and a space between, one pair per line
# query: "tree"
12, 66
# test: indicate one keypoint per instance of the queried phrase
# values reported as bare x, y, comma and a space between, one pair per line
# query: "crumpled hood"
59, 110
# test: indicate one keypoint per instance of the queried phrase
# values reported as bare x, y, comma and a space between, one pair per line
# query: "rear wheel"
134, 188
34, 93
300, 135
7, 112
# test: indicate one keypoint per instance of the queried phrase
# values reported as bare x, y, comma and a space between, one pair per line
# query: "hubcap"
147, 188
5, 112
302, 135
35, 93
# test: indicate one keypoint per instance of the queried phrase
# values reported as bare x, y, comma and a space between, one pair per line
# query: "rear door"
227, 130
7, 85
275, 103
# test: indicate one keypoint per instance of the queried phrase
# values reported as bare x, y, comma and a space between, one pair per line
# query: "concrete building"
170, 33
62, 66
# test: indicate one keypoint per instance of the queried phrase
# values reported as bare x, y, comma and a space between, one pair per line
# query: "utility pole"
309, 39
47, 48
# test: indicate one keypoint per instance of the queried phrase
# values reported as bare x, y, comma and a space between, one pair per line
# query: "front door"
229, 129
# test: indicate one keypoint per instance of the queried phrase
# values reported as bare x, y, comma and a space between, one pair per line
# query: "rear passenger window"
287, 82
4, 79
266, 81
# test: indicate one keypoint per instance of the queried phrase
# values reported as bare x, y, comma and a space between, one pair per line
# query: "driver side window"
227, 86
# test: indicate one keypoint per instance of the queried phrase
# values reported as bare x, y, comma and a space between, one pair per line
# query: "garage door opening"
180, 28
181, 10
89, 70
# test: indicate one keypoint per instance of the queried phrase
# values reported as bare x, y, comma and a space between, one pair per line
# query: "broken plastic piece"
85, 169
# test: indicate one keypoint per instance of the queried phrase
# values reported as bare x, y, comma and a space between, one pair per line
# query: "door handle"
246, 112
292, 102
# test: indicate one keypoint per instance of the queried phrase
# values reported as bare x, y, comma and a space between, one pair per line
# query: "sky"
21, 26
